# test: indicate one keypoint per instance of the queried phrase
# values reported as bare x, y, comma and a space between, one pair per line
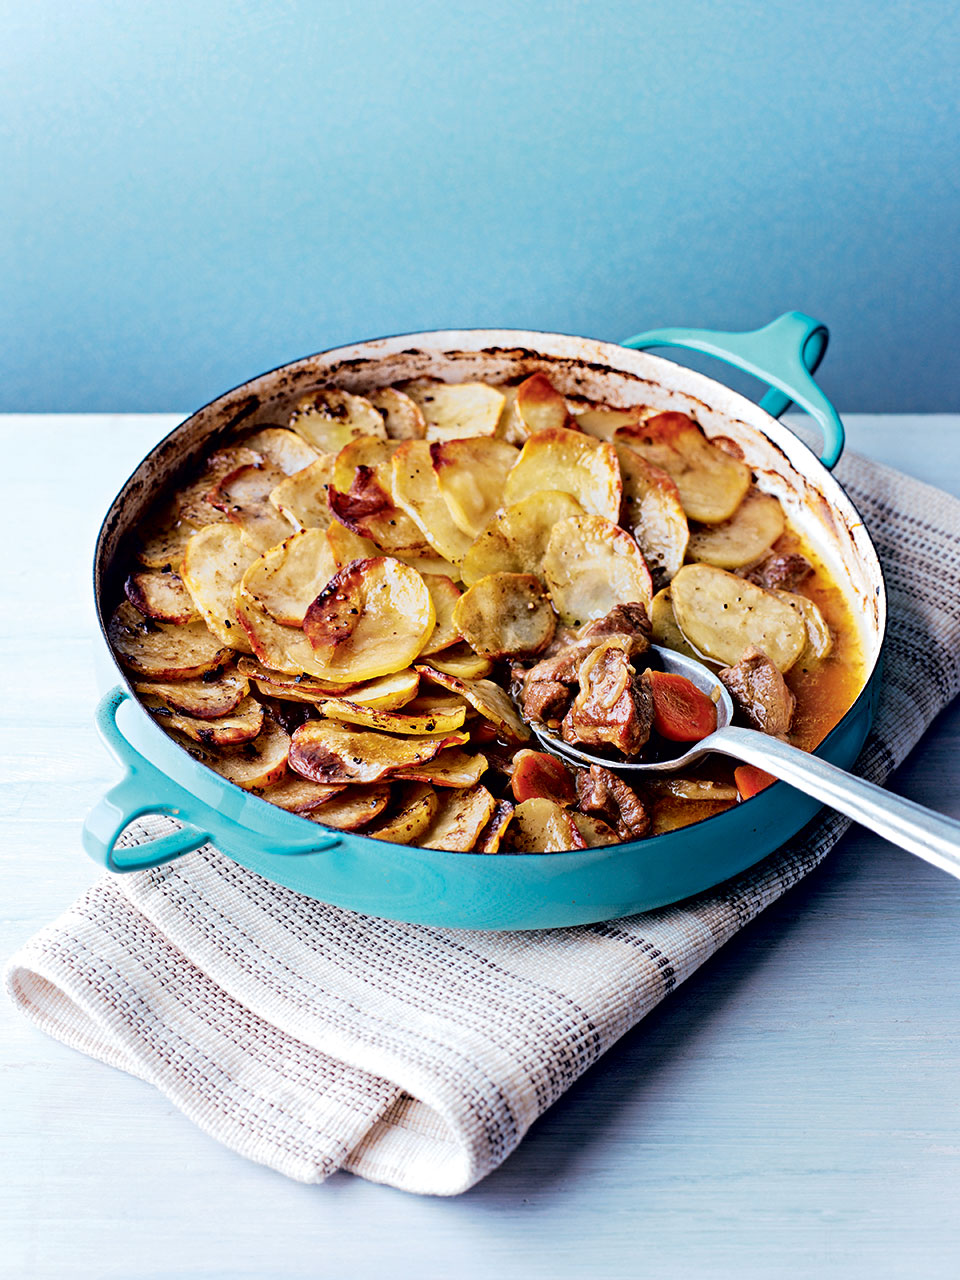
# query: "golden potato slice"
241, 725
515, 541
652, 510
819, 635
161, 596
288, 578
302, 498
203, 699
414, 805
712, 483
461, 661
370, 512
492, 835
365, 451
434, 701
283, 448
348, 546
401, 415
454, 411
461, 817
252, 765
352, 809
195, 502
244, 496
471, 475
215, 561
543, 826
347, 711
163, 540
163, 651
283, 649
749, 533
299, 795
721, 615
593, 831
535, 405
590, 565
373, 617
487, 698
386, 693
326, 751
604, 423
665, 630
450, 768
506, 615
444, 593
329, 419
572, 462
416, 491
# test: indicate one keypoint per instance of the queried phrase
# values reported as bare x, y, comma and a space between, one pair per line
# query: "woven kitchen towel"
313, 1039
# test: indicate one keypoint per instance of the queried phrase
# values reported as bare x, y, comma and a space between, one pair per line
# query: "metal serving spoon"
929, 835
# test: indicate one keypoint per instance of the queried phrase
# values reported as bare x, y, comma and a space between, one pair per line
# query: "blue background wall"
192, 193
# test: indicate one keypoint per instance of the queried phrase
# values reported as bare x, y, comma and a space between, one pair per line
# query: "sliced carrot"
537, 775
750, 780
681, 711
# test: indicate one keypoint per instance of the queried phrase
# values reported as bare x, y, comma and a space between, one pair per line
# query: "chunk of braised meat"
780, 572
614, 707
623, 619
546, 700
760, 692
601, 792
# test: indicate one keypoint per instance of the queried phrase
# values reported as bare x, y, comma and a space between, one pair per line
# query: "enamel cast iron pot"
503, 891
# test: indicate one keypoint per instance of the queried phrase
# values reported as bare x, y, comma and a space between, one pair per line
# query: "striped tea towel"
313, 1039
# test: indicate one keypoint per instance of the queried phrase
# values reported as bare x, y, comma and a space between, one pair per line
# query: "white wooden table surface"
792, 1110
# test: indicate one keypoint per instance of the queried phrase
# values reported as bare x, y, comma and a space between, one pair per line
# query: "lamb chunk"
562, 666
601, 792
760, 692
780, 572
545, 700
614, 708
623, 619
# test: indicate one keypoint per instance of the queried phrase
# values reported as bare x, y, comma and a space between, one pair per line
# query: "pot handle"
134, 796
784, 353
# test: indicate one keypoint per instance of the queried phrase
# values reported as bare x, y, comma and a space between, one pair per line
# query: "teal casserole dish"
501, 891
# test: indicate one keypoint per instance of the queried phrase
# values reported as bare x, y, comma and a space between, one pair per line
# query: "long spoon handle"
929, 835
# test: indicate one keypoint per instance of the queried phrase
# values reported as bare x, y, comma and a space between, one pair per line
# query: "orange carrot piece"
681, 711
750, 780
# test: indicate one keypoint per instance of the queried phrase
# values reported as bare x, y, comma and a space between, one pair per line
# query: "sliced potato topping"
283, 649
593, 831
454, 411
543, 826
252, 765
369, 511
749, 533
215, 560
161, 596
195, 502
240, 725
401, 415
288, 578
515, 541
460, 818
492, 835
326, 751
163, 541
416, 491
450, 768
299, 795
487, 698
444, 593
605, 423
590, 565
348, 546
365, 451
353, 808
202, 698
712, 483
403, 721
819, 635
244, 495
302, 498
461, 661
161, 650
283, 448
409, 815
506, 615
722, 615
572, 462
665, 630
387, 692
471, 475
540, 406
330, 419
653, 511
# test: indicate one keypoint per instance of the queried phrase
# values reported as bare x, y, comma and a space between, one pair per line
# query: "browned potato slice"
487, 698
712, 483
444, 593
283, 649
348, 546
203, 699
417, 492
353, 808
434, 701
160, 650
653, 511
543, 826
244, 496
299, 795
593, 831
492, 835
163, 541
215, 561
721, 615
664, 627
454, 411
572, 462
369, 511
388, 692
365, 451
506, 614
283, 448
590, 565
288, 578
252, 765
330, 419
403, 721
471, 475
242, 725
461, 817
540, 406
604, 423
461, 661
749, 533
819, 635
415, 805
330, 752
161, 596
515, 541
401, 415
450, 768
373, 617
302, 498
195, 502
